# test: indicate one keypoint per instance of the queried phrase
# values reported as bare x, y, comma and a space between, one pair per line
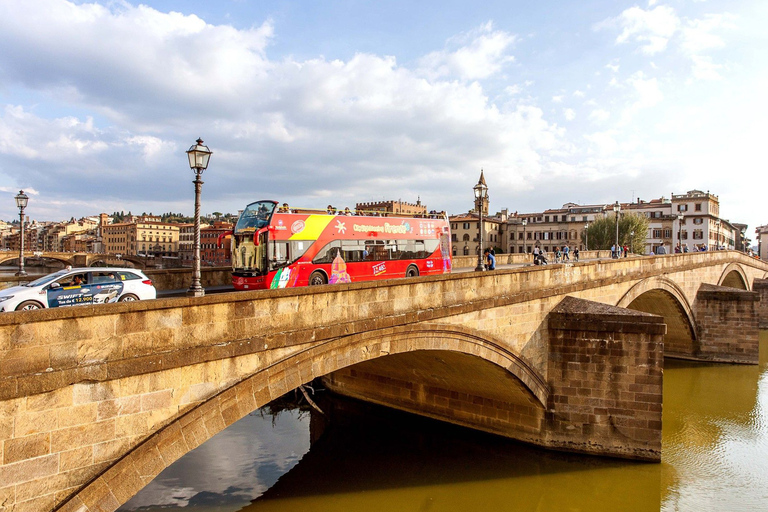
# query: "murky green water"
714, 458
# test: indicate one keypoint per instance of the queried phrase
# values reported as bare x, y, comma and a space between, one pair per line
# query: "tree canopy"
633, 230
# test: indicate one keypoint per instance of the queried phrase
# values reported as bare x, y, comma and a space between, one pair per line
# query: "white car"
79, 287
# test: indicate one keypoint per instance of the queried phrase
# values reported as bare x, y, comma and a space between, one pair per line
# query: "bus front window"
255, 216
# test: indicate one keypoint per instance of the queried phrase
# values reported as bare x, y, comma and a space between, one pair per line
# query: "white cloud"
480, 54
651, 29
557, 99
578, 94
569, 114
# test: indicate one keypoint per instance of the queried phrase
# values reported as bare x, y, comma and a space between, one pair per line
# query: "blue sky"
314, 103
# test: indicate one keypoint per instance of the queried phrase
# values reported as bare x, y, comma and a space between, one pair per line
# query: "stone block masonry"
605, 375
727, 324
760, 286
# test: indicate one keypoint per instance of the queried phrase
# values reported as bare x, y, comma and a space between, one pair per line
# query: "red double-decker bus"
281, 248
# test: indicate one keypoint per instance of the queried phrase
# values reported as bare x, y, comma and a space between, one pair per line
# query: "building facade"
144, 236
210, 252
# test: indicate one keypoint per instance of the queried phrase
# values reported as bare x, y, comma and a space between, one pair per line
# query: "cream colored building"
145, 236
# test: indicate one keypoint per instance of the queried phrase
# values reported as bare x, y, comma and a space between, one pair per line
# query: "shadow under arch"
661, 296
135, 469
734, 277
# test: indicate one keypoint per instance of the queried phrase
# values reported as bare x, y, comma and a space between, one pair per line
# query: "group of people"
562, 255
618, 250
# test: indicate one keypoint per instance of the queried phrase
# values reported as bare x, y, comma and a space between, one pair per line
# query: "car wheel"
128, 297
29, 305
317, 278
412, 271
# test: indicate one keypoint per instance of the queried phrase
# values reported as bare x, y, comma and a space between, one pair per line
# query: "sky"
342, 101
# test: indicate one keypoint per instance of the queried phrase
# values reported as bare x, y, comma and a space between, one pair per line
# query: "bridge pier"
727, 324
761, 287
605, 375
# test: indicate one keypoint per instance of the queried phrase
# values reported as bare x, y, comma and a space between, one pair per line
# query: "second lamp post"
21, 203
481, 194
198, 161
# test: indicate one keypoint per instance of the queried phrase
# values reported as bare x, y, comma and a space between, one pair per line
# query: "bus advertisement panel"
281, 248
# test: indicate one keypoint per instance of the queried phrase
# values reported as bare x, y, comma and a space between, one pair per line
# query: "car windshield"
255, 216
47, 279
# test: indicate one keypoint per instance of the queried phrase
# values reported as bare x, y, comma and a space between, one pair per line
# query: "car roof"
104, 269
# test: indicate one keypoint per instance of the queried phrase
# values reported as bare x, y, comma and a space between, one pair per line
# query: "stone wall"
761, 287
606, 375
727, 324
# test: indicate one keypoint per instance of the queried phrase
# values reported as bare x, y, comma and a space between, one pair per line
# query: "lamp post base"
198, 291
480, 267
20, 273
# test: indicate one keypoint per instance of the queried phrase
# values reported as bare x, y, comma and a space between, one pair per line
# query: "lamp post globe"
481, 193
21, 202
198, 155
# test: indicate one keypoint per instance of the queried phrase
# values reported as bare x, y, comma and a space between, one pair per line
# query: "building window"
546, 218
466, 225
656, 233
465, 238
667, 233
698, 220
698, 207
682, 207
698, 234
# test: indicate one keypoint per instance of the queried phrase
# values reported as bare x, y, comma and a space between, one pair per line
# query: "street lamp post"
21, 202
525, 240
631, 241
198, 161
680, 219
586, 237
617, 209
481, 193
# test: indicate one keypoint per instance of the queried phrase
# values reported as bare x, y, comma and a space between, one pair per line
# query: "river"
366, 458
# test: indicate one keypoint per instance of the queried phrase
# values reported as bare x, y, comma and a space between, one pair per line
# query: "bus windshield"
255, 216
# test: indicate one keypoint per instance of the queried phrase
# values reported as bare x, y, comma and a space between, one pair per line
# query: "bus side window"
279, 254
327, 253
352, 250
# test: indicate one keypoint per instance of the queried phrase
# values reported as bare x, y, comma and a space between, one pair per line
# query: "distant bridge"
96, 401
76, 259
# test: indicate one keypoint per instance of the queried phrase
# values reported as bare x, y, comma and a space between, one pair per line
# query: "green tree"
633, 230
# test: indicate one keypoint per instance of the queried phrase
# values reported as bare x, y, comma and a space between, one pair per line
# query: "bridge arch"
131, 472
661, 296
734, 277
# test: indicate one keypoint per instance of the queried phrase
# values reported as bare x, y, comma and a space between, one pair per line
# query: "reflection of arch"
138, 467
661, 296
734, 276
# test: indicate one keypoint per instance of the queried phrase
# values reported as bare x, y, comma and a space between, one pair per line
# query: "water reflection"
714, 457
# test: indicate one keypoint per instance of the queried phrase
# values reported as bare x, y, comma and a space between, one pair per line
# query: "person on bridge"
490, 259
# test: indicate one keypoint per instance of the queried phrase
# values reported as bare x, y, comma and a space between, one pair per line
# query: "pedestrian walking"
490, 260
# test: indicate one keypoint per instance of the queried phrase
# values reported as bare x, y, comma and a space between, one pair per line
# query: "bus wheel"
412, 271
317, 278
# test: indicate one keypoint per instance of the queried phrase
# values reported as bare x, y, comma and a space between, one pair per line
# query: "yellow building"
145, 236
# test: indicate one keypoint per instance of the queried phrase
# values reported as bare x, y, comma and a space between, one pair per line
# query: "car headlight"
5, 298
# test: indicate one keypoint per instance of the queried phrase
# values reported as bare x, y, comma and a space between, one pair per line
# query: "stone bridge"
76, 259
96, 401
